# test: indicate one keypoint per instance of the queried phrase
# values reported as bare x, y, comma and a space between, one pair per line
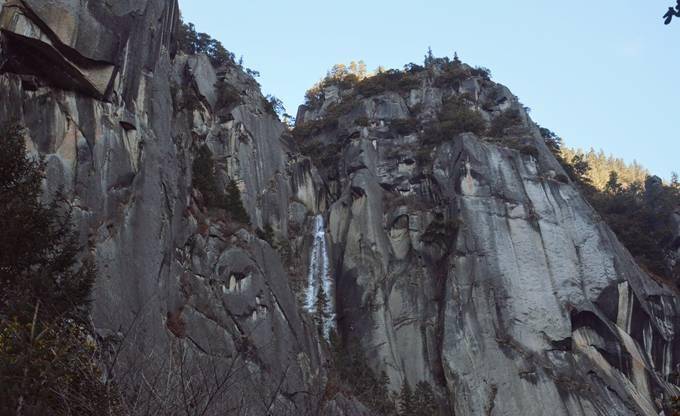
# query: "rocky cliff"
461, 256
194, 309
470, 260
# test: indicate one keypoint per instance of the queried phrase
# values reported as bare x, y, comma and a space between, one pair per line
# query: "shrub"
506, 119
529, 150
441, 232
306, 130
390, 80
267, 234
191, 42
482, 72
456, 117
561, 177
227, 96
274, 106
362, 121
323, 155
405, 127
351, 367
452, 77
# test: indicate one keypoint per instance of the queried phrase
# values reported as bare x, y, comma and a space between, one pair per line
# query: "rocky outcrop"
470, 261
194, 308
466, 260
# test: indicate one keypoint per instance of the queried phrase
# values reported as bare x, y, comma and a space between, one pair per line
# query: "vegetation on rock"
47, 347
641, 213
205, 181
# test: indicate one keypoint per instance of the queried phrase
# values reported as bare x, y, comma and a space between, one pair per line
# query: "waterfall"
319, 275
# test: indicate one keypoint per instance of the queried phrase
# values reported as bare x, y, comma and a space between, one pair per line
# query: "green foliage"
321, 314
420, 402
46, 352
452, 76
274, 106
390, 80
38, 247
407, 405
600, 165
227, 96
306, 130
405, 127
425, 401
204, 177
324, 155
191, 42
482, 72
441, 232
553, 141
529, 150
455, 118
351, 366
205, 181
267, 234
641, 216
234, 205
362, 121
506, 119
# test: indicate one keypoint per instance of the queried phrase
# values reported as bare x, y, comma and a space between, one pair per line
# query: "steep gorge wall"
469, 263
473, 263
188, 302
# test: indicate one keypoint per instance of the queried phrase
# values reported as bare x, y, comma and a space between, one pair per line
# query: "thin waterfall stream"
319, 276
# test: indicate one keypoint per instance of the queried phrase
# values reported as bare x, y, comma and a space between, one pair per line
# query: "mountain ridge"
466, 262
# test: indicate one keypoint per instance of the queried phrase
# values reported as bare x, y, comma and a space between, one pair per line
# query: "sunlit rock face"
474, 264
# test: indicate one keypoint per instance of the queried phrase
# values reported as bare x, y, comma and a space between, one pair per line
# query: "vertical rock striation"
470, 261
465, 259
194, 308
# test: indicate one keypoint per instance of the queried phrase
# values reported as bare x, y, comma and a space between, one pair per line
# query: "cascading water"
319, 276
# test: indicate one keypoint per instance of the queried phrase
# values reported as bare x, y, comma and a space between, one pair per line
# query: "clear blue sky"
602, 74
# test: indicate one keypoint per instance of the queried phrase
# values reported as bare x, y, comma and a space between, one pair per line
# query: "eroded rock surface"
190, 303
473, 263
469, 261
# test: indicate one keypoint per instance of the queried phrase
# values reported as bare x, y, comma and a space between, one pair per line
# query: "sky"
602, 74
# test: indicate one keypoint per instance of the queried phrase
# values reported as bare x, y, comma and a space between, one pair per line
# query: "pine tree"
425, 402
406, 400
234, 205
429, 58
613, 186
321, 309
203, 177
46, 364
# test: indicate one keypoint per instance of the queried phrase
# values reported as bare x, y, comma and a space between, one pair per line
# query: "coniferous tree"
406, 400
234, 205
321, 309
46, 364
429, 58
425, 402
203, 171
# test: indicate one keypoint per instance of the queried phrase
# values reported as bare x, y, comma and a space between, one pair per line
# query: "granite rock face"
469, 262
473, 263
189, 303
